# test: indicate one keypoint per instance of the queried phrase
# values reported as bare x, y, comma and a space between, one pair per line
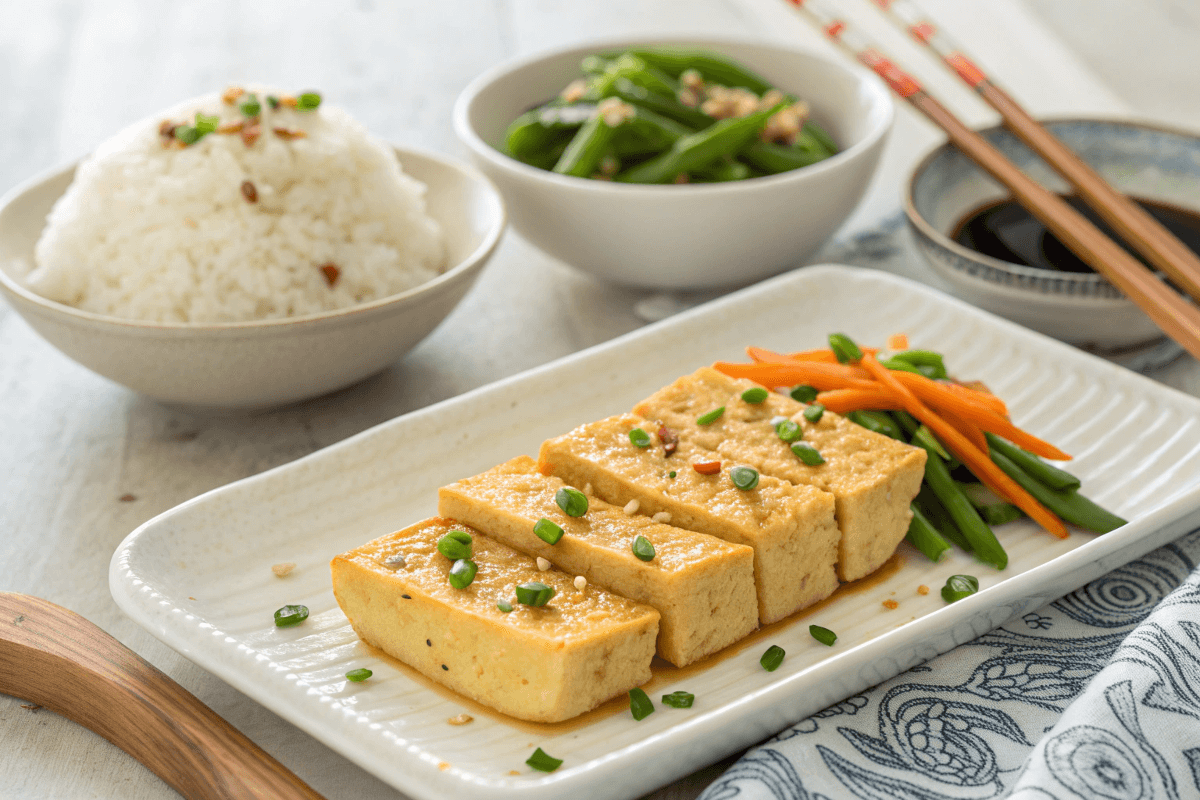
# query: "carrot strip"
948, 394
964, 426
821, 376
842, 401
976, 460
824, 356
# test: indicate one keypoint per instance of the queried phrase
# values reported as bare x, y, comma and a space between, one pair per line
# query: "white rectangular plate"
199, 576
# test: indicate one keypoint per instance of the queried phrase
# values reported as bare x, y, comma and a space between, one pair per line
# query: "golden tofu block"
702, 586
791, 528
542, 664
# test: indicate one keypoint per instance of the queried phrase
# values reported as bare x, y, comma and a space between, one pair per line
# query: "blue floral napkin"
1094, 696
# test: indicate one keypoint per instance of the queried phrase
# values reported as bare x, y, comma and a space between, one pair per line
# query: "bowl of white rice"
245, 250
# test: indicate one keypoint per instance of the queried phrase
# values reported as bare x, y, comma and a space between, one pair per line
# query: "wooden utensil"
1131, 222
1174, 315
59, 660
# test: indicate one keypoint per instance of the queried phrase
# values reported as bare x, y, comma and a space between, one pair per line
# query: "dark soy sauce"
1008, 232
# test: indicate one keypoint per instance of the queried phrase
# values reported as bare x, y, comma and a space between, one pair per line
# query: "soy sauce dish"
642, 228
1156, 165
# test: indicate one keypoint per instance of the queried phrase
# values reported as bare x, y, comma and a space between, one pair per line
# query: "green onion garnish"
671, 474
504, 606
308, 101
959, 586
814, 412
804, 393
639, 438
772, 658
534, 594
788, 431
205, 124
463, 573
643, 549
822, 635
542, 762
455, 545
899, 365
755, 395
358, 675
187, 134
639, 704
744, 478
250, 106
710, 417
288, 616
844, 348
807, 453
273, 101
547, 531
573, 502
678, 699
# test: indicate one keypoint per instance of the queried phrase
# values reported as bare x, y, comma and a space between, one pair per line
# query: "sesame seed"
407, 596
284, 569
631, 507
461, 719
429, 643
395, 562
580, 582
662, 516
445, 668
543, 564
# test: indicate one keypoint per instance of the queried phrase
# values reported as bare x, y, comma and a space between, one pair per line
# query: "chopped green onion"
814, 412
455, 545
822, 635
844, 348
671, 474
772, 658
804, 393
358, 675
639, 437
678, 699
639, 704
543, 762
250, 105
573, 502
789, 431
744, 478
505, 606
807, 453
959, 586
273, 101
643, 549
547, 531
206, 124
710, 417
755, 395
187, 134
308, 101
462, 574
534, 593
288, 616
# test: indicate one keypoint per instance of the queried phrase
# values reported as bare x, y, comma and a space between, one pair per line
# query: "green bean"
668, 107
878, 421
594, 64
646, 132
814, 131
937, 516
695, 150
675, 60
583, 154
1050, 475
534, 132
983, 542
921, 535
923, 358
1000, 513
638, 72
1068, 504
723, 169
774, 158
897, 364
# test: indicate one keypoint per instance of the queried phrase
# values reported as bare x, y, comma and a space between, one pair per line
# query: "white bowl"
259, 364
691, 236
1146, 161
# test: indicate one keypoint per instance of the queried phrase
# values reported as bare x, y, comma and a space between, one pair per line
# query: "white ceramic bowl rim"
1091, 280
480, 252
881, 102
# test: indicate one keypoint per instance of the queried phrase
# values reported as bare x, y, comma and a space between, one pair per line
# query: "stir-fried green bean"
1052, 476
582, 156
667, 106
922, 535
676, 60
983, 542
1068, 504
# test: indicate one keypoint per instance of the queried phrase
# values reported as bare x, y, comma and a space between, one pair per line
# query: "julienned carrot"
842, 401
979, 462
826, 356
820, 376
965, 427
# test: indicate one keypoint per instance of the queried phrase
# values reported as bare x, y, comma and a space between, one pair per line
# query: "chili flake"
249, 192
287, 134
669, 439
707, 467
890, 605
331, 273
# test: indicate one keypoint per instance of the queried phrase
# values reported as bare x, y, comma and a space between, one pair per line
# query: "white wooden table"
74, 448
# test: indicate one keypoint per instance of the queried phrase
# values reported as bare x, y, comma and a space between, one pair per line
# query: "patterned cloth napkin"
1096, 695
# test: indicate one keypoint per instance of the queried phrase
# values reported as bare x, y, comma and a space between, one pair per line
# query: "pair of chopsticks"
1178, 318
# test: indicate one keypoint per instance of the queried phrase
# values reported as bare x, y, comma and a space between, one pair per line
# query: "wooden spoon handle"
58, 659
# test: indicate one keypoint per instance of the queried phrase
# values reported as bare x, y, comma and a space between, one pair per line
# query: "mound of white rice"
154, 230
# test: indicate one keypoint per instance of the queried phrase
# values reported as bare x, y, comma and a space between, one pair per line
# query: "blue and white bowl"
1145, 161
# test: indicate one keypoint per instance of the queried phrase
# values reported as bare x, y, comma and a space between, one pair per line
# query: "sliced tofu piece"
542, 664
702, 586
873, 477
791, 528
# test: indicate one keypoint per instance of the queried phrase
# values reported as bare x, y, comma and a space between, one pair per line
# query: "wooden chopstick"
1131, 222
1175, 316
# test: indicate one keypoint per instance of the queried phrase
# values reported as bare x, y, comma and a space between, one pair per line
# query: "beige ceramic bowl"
683, 237
259, 364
